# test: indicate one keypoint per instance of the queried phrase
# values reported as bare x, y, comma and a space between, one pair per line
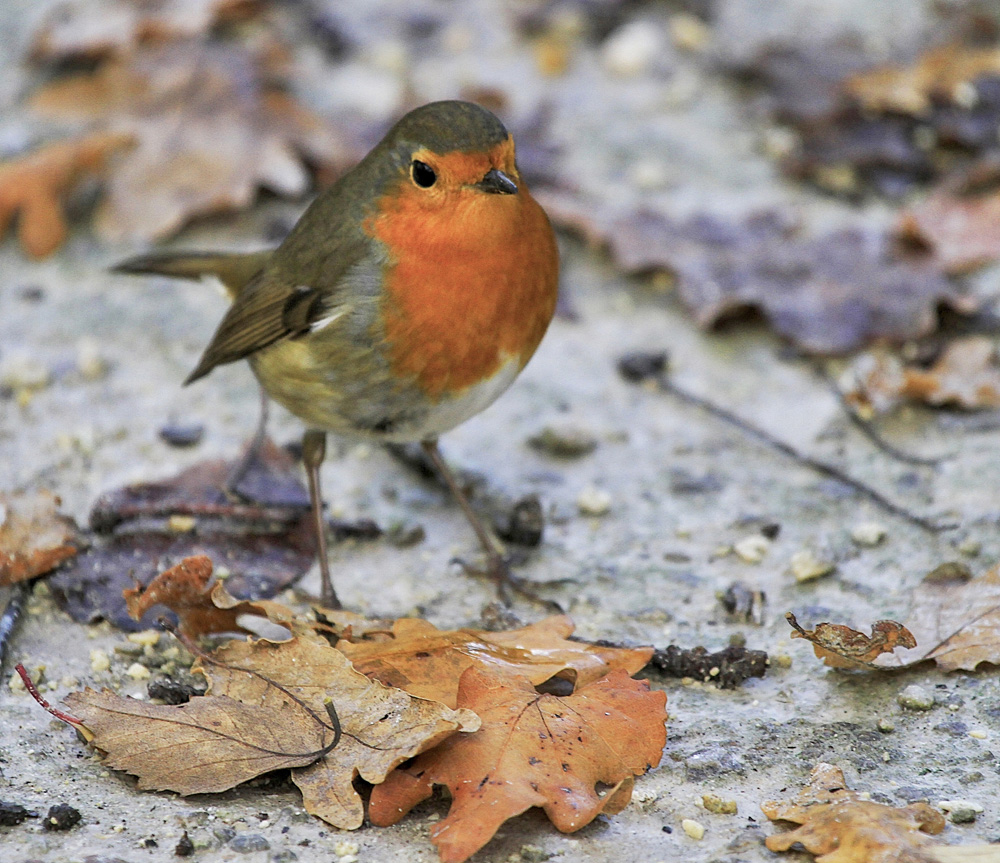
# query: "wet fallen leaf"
428, 662
34, 537
267, 708
140, 531
840, 827
828, 294
532, 750
33, 188
94, 28
211, 125
840, 646
203, 605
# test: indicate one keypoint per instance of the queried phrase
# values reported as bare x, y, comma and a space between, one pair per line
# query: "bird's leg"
313, 453
251, 453
498, 568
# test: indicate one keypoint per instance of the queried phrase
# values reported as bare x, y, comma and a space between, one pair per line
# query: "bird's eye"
423, 174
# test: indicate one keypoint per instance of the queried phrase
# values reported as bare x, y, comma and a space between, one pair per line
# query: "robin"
405, 300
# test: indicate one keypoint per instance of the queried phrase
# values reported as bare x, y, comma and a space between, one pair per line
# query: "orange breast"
470, 284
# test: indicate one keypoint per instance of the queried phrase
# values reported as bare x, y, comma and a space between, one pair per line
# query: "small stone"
99, 660
346, 846
978, 733
138, 671
961, 811
285, 855
717, 805
146, 638
12, 814
886, 726
247, 843
593, 501
915, 697
128, 649
688, 32
563, 441
693, 828
61, 817
184, 847
753, 548
182, 434
632, 48
181, 523
533, 854
970, 547
806, 565
405, 534
868, 534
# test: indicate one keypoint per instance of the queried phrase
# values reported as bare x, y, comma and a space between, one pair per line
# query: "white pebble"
138, 671
593, 501
693, 828
868, 534
631, 49
806, 566
99, 660
753, 548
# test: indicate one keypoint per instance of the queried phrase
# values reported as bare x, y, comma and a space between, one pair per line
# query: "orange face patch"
472, 278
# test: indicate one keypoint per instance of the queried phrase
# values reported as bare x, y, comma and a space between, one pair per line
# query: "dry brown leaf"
428, 662
33, 187
532, 750
210, 125
204, 606
382, 726
34, 537
840, 646
840, 827
94, 28
266, 708
938, 74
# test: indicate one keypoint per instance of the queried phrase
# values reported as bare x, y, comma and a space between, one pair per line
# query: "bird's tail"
234, 270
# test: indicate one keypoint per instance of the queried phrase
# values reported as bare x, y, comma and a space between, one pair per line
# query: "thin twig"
29, 684
638, 367
11, 616
868, 429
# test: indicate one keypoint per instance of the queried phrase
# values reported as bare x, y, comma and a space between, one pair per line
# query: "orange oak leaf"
269, 706
34, 537
840, 646
381, 726
203, 606
428, 662
33, 186
840, 827
532, 750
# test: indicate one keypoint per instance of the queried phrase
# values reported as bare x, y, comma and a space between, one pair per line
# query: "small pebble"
345, 847
62, 816
753, 548
99, 660
961, 811
781, 660
978, 733
563, 441
688, 32
181, 523
806, 566
593, 501
915, 697
182, 434
717, 805
632, 48
146, 638
886, 726
405, 534
138, 671
868, 534
970, 547
693, 828
248, 843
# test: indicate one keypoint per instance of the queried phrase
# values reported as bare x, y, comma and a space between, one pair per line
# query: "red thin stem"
29, 684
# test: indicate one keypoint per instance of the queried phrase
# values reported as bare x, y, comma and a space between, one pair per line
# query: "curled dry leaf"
33, 187
966, 375
840, 827
210, 126
94, 28
428, 662
267, 708
203, 606
842, 647
532, 750
34, 537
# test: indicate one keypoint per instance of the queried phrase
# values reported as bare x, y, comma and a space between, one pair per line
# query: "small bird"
405, 300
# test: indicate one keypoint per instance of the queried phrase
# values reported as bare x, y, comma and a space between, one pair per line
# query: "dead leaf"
34, 537
94, 28
266, 708
142, 530
211, 125
428, 662
841, 827
828, 294
204, 606
381, 726
842, 647
532, 750
34, 187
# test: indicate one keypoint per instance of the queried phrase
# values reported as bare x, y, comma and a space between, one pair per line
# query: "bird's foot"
498, 570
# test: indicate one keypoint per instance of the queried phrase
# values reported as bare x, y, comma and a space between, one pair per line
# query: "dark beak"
497, 183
